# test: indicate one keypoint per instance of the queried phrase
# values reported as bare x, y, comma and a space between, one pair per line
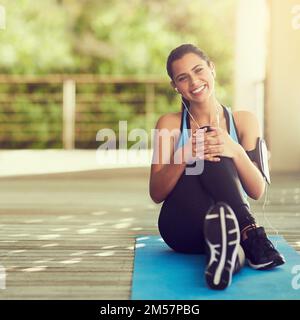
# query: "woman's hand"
192, 150
219, 143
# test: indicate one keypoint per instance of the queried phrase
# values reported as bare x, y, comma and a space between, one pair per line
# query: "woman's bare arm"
250, 176
164, 172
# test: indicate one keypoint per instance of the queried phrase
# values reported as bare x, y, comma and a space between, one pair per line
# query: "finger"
199, 131
209, 141
214, 143
212, 155
198, 150
212, 152
200, 156
212, 158
198, 140
215, 131
206, 151
211, 133
199, 137
198, 145
218, 129
215, 149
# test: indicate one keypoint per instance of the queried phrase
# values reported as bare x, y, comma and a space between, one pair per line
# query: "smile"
198, 90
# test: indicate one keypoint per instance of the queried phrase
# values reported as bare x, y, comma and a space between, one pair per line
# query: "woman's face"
193, 78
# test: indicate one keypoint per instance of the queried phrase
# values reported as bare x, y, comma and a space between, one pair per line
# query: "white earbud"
176, 90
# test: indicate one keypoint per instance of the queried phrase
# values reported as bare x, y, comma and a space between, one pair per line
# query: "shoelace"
264, 244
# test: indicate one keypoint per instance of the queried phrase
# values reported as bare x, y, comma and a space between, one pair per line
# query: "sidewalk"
28, 162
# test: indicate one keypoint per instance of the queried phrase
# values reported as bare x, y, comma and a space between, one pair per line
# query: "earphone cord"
266, 193
187, 109
267, 220
217, 115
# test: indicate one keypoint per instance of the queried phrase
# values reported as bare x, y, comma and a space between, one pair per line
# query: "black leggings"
182, 214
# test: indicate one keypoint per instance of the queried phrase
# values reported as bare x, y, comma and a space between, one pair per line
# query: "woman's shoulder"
244, 117
169, 121
243, 114
246, 121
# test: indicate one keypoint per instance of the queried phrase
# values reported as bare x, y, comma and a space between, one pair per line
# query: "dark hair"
178, 53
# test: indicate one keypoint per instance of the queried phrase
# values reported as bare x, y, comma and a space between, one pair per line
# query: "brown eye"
182, 78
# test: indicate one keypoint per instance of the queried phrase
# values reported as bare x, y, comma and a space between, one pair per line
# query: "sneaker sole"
269, 265
222, 236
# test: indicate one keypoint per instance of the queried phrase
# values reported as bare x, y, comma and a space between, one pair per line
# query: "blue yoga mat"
163, 274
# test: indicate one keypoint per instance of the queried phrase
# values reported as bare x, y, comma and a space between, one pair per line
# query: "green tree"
115, 37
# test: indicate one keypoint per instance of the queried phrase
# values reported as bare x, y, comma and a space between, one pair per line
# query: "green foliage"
112, 37
26, 123
36, 39
132, 37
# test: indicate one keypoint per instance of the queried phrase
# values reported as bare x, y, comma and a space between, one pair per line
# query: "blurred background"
69, 68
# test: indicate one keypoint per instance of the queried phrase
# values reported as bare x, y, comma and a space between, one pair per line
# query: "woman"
208, 212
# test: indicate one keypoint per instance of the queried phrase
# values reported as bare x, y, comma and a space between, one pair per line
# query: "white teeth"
198, 89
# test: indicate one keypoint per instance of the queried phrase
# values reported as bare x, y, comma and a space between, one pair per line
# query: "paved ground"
72, 236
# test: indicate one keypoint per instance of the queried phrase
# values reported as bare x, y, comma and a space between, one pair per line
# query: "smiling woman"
209, 209
202, 68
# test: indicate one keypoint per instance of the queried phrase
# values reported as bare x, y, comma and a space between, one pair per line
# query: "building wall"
250, 57
283, 85
267, 74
